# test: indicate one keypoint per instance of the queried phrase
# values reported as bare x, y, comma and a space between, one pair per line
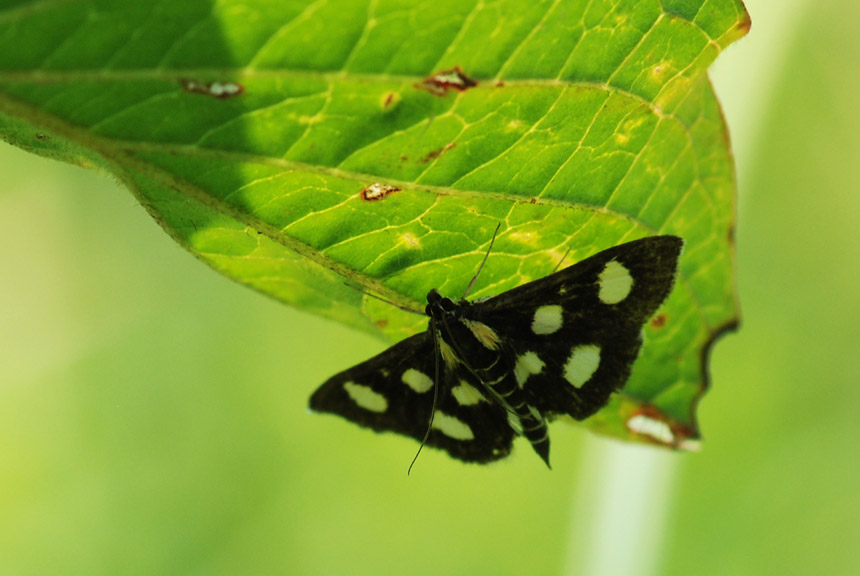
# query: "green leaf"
298, 147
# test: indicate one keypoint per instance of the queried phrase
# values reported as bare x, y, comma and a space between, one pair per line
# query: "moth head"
438, 305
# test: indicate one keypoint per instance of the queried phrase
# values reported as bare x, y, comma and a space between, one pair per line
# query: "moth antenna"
484, 261
435, 399
381, 299
557, 266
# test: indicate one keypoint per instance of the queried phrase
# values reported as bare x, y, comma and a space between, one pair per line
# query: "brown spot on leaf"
390, 99
745, 24
440, 83
659, 321
220, 90
377, 191
500, 84
437, 153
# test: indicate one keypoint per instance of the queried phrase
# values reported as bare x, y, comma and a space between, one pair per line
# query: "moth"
488, 371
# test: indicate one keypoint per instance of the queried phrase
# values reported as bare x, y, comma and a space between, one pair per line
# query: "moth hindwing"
509, 364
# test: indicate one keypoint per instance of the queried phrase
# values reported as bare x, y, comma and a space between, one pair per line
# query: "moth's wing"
394, 392
577, 332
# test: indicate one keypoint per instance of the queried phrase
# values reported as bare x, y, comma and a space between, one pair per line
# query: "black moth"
509, 364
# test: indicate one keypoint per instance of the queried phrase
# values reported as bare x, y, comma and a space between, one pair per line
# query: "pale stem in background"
622, 505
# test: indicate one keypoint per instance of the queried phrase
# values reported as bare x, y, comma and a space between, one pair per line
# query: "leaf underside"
307, 148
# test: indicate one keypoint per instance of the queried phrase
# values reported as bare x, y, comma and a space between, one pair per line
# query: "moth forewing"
586, 325
389, 393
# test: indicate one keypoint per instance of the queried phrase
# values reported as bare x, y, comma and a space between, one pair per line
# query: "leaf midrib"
115, 154
225, 74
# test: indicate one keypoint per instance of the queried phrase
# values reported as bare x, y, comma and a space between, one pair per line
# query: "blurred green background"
153, 420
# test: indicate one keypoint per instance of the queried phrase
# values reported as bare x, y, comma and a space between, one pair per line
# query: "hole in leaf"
221, 90
440, 83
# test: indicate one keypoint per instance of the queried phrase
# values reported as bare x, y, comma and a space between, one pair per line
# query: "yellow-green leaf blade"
250, 130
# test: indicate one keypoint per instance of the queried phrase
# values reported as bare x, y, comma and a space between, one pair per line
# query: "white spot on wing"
527, 364
582, 364
452, 427
467, 395
547, 320
365, 397
416, 380
615, 283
